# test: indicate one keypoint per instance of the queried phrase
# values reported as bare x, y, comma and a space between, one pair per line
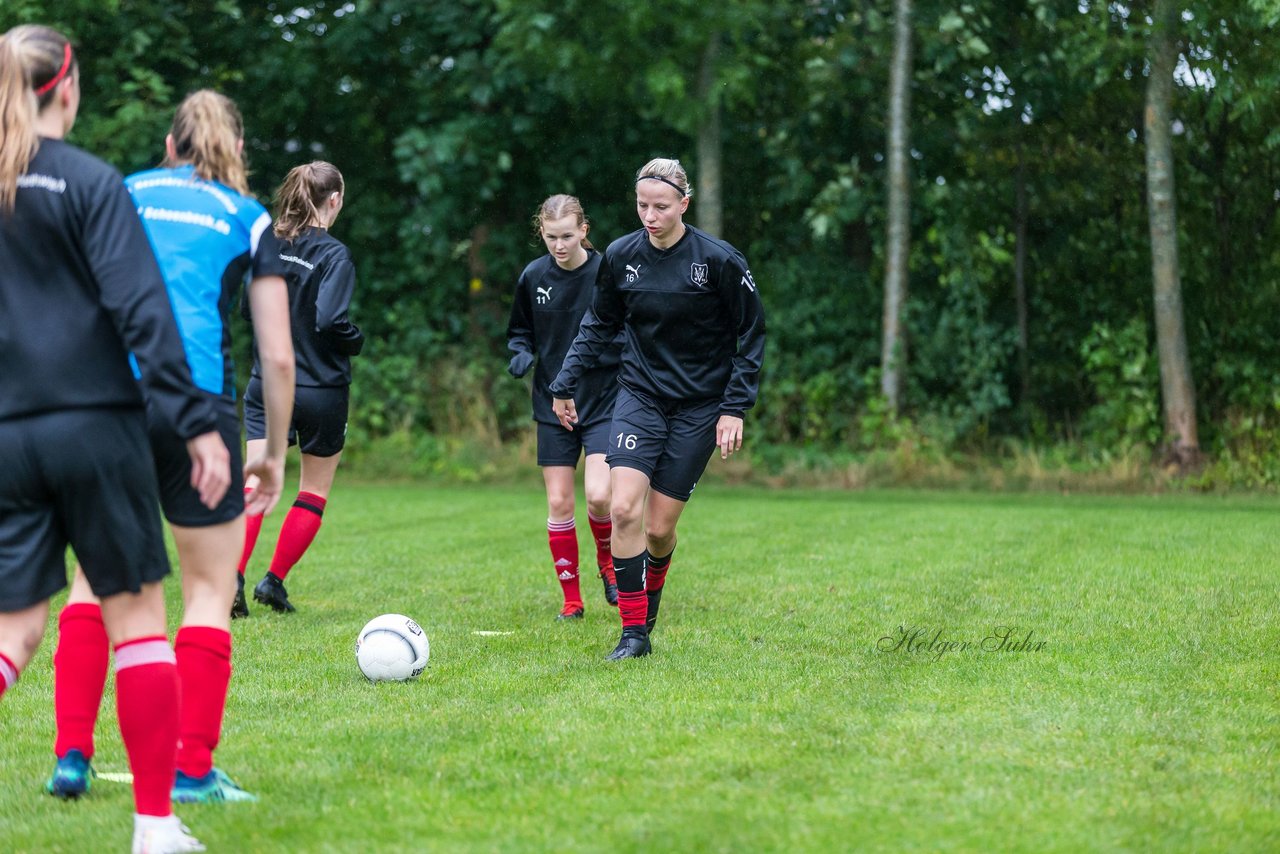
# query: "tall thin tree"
710, 201
893, 352
1181, 437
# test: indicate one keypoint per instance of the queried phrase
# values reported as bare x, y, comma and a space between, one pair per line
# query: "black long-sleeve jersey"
79, 290
321, 280
549, 306
692, 317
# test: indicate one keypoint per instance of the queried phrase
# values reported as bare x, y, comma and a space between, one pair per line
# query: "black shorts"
560, 447
82, 478
670, 441
319, 425
179, 500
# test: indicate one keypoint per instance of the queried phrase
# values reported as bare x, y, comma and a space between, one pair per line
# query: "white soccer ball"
392, 647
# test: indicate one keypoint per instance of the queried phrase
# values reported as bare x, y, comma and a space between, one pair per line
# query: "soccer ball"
392, 647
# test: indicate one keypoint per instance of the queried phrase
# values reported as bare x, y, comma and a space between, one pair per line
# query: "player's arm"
746, 312
600, 326
269, 307
269, 297
520, 337
333, 301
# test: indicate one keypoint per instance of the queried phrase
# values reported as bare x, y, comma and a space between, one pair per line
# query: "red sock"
147, 705
633, 605
602, 531
79, 675
204, 672
563, 537
655, 575
300, 527
252, 527
8, 674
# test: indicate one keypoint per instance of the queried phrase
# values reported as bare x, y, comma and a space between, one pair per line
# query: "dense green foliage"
452, 121
1147, 721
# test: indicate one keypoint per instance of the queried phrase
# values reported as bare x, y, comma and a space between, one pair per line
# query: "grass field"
772, 715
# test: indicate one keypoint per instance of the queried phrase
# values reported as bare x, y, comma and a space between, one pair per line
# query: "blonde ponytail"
301, 194
32, 59
208, 132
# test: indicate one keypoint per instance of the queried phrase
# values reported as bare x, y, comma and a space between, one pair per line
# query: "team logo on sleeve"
698, 273
544, 295
749, 282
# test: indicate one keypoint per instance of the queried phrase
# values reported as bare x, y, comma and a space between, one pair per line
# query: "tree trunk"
710, 203
1020, 270
1183, 443
893, 352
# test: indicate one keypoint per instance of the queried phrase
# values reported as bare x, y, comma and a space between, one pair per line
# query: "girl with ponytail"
552, 295
321, 279
209, 236
79, 291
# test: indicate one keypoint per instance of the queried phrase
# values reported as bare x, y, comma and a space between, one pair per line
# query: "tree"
1183, 443
710, 210
893, 353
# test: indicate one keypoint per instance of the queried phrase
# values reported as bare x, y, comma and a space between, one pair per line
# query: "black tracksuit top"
79, 290
548, 308
692, 317
321, 280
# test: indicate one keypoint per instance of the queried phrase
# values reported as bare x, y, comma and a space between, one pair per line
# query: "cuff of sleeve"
736, 413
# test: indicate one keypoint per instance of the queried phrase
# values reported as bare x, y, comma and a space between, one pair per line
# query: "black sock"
630, 572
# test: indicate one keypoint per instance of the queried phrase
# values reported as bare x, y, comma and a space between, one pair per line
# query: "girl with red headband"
79, 291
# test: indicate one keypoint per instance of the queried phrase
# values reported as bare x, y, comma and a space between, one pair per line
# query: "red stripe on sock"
301, 524
147, 706
79, 676
204, 672
633, 608
8, 673
654, 578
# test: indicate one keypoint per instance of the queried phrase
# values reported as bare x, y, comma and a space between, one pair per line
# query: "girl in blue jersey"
208, 234
321, 280
551, 296
79, 290
694, 328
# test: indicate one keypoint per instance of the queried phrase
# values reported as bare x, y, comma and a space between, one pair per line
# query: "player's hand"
565, 411
265, 478
729, 435
210, 467
520, 364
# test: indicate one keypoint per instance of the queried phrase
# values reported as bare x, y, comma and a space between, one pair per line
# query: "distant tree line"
1033, 221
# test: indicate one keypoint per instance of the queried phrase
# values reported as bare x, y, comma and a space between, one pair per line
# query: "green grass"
767, 718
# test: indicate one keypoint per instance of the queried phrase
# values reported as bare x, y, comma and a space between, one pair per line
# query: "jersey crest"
544, 295
698, 273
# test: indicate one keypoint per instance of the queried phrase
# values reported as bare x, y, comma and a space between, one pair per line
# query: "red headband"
62, 72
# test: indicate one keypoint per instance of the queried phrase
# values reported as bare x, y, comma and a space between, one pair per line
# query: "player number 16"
627, 440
